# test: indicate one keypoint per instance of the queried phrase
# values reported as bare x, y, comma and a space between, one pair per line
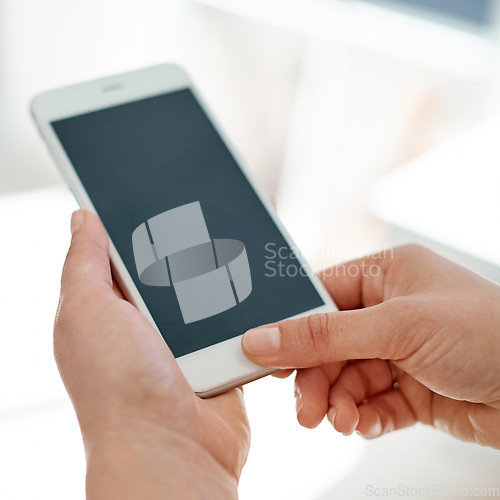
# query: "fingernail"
262, 341
76, 220
298, 400
331, 416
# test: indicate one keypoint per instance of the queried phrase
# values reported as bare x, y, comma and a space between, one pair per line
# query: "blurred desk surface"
41, 454
36, 236
450, 195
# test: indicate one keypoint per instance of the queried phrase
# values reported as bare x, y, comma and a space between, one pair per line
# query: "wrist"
142, 460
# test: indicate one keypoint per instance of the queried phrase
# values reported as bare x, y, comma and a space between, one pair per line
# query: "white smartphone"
194, 243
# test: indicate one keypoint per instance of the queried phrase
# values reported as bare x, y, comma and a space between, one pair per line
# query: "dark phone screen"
143, 158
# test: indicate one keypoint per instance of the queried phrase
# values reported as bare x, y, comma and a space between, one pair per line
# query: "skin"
416, 341
146, 434
422, 321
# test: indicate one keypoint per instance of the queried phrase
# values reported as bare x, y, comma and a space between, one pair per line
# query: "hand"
418, 340
146, 434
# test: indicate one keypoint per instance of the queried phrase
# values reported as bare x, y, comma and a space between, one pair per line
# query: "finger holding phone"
418, 341
146, 433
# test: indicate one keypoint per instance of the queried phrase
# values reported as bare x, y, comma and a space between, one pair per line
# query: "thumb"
380, 331
87, 263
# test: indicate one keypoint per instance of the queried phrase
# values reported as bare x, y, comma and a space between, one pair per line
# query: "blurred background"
372, 123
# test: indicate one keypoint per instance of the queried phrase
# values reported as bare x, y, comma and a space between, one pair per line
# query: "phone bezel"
205, 372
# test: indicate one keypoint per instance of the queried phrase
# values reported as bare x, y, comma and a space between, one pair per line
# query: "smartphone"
195, 245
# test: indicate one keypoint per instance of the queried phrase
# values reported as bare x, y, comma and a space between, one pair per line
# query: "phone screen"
201, 248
